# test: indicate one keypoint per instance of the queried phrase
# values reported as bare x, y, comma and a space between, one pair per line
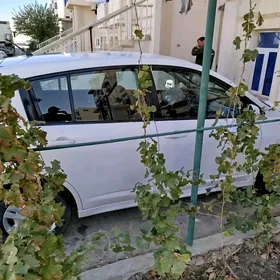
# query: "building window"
269, 40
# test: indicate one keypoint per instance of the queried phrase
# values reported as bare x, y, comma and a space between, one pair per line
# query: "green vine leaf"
139, 34
249, 55
237, 42
260, 19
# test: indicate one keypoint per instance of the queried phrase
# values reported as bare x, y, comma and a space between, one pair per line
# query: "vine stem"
234, 103
139, 40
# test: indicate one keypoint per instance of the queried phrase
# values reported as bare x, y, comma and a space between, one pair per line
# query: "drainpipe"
156, 26
221, 9
129, 21
90, 38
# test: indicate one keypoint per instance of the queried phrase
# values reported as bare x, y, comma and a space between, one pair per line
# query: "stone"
137, 276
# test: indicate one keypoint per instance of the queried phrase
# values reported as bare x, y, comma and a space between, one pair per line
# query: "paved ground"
81, 230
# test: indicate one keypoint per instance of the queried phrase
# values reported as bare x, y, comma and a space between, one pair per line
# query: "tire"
260, 185
66, 217
4, 223
2, 211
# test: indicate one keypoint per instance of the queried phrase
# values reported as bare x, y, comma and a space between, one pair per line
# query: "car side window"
104, 95
52, 97
178, 94
218, 99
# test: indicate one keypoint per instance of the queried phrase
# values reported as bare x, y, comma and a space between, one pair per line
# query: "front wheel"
10, 218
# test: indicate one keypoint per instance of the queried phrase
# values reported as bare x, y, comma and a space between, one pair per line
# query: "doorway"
265, 63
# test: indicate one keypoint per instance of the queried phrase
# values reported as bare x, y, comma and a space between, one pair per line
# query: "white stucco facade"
64, 15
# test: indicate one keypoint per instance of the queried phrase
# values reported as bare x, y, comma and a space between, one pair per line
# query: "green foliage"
139, 34
243, 143
141, 106
32, 251
37, 21
249, 55
237, 42
32, 45
158, 197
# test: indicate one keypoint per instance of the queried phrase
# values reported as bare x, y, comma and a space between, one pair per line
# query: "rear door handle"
60, 141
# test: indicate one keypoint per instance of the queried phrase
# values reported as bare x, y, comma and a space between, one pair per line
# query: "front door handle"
61, 141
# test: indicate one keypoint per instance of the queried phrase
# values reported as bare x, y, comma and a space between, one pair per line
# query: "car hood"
270, 104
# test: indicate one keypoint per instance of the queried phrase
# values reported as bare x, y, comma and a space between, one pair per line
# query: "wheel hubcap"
12, 219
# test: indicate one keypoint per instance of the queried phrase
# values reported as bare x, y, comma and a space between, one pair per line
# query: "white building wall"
186, 29
64, 15
181, 31
62, 11
228, 34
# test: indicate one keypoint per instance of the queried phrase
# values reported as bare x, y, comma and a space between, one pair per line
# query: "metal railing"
108, 33
139, 137
56, 38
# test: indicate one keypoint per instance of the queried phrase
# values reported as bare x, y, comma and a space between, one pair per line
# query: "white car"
87, 97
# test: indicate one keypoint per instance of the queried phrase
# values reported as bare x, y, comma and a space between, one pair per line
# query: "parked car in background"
88, 97
6, 38
2, 54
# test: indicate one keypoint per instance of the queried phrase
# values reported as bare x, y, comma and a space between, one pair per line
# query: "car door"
86, 106
177, 91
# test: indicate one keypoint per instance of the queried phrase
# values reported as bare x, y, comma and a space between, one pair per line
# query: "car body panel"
93, 170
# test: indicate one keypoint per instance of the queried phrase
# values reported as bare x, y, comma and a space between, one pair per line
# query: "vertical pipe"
130, 18
202, 109
114, 32
146, 20
90, 38
107, 35
140, 13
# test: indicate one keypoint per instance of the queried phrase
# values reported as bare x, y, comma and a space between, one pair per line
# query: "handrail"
131, 138
55, 38
87, 27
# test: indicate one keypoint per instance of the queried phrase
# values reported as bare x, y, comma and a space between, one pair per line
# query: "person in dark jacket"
198, 52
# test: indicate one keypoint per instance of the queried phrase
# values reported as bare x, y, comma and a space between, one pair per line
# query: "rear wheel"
10, 218
260, 185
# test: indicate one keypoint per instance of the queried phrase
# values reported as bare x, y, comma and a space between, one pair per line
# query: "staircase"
112, 32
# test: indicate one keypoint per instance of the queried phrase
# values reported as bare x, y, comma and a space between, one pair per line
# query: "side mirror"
255, 108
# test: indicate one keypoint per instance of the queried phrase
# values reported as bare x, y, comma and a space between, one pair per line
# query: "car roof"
37, 65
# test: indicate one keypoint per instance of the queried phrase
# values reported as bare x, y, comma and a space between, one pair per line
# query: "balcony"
71, 3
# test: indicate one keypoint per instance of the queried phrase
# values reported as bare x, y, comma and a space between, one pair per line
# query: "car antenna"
27, 53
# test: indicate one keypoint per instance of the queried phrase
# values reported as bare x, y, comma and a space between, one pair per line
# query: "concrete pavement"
81, 230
